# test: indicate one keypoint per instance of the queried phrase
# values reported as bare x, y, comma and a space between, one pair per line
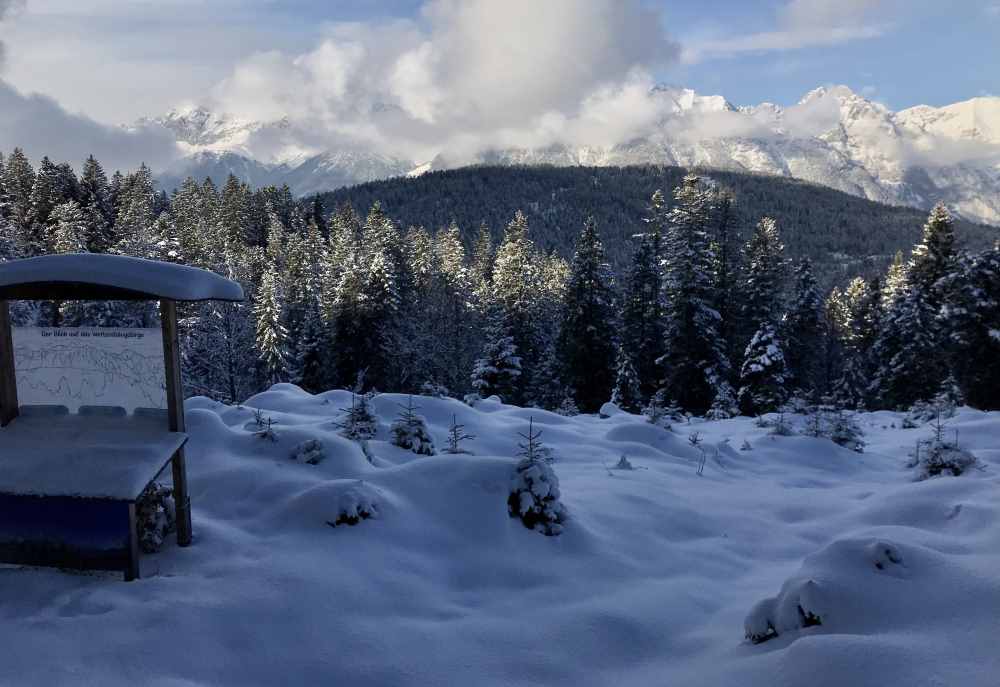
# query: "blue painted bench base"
69, 532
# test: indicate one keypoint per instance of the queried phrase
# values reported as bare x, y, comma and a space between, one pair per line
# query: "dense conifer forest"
842, 234
672, 293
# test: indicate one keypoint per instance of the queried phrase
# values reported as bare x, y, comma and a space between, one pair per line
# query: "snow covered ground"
649, 584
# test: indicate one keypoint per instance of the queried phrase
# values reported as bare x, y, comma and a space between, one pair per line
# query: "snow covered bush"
358, 422
155, 516
309, 451
844, 431
534, 488
568, 407
431, 388
357, 503
409, 431
939, 456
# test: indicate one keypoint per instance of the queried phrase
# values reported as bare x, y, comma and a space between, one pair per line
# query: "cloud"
464, 75
803, 24
41, 126
7, 9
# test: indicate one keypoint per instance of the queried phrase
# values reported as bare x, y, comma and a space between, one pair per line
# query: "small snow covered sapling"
267, 430
624, 463
456, 435
845, 431
568, 407
942, 456
656, 412
358, 422
534, 493
409, 431
781, 427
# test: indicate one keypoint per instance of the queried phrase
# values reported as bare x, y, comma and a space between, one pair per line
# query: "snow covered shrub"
431, 388
781, 427
568, 407
309, 452
267, 431
534, 488
746, 446
456, 435
796, 607
939, 456
155, 516
845, 431
624, 463
358, 422
659, 413
409, 431
357, 503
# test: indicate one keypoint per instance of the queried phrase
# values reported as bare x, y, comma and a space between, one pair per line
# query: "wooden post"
175, 414
8, 382
132, 567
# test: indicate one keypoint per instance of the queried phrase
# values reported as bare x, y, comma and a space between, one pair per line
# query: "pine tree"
272, 337
45, 195
695, 360
803, 332
409, 431
971, 317
516, 284
627, 394
764, 277
908, 350
135, 216
763, 384
642, 332
497, 371
69, 228
19, 179
586, 340
895, 280
934, 256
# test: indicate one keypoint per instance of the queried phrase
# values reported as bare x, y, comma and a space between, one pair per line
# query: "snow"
651, 581
93, 455
156, 279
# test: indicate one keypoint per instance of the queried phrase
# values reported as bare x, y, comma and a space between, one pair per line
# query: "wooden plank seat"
69, 484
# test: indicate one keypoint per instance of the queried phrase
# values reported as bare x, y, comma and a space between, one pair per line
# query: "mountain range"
833, 137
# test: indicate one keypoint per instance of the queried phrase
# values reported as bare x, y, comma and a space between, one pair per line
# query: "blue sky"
925, 52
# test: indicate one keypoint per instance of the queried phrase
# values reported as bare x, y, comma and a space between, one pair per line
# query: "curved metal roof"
93, 276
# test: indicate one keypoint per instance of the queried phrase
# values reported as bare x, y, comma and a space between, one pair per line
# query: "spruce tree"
627, 394
272, 337
497, 371
803, 332
695, 363
586, 340
764, 276
908, 352
971, 317
763, 383
69, 228
19, 179
642, 334
934, 256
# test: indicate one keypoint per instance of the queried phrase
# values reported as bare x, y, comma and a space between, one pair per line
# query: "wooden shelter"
69, 482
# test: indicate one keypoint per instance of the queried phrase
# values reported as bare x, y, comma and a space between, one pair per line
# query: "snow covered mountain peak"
832, 136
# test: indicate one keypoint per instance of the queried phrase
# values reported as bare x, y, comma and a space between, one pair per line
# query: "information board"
77, 366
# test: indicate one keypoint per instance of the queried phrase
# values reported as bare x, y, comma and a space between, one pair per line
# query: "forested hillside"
844, 235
